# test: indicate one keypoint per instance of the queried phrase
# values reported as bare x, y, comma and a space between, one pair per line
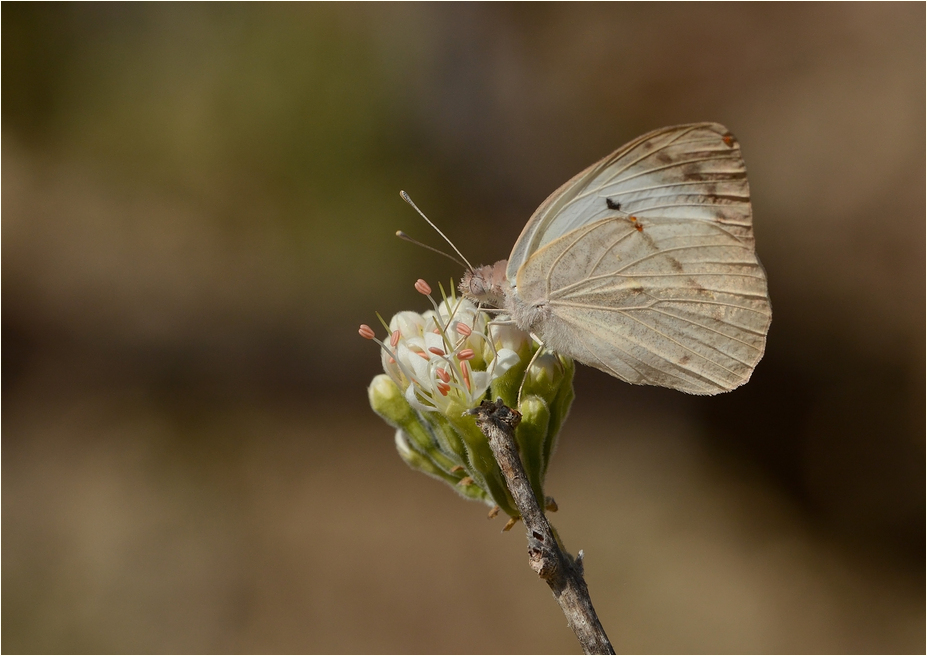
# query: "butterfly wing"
644, 266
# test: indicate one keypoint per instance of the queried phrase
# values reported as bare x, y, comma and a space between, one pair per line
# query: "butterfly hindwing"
645, 264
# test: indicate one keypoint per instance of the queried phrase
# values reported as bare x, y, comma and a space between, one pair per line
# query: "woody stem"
562, 573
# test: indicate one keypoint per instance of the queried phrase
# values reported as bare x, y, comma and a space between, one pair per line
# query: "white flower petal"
505, 360
479, 383
508, 336
419, 366
414, 400
434, 341
408, 323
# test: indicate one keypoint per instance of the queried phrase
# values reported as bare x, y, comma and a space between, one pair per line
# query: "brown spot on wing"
647, 239
692, 173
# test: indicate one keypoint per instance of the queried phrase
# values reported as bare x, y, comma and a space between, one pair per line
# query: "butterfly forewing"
646, 264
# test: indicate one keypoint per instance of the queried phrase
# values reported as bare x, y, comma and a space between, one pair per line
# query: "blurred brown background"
198, 208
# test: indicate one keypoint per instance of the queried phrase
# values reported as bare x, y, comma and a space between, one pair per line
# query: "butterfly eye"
473, 284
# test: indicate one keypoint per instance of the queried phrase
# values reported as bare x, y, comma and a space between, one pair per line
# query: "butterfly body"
643, 265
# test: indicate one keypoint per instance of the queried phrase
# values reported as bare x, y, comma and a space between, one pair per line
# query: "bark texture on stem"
546, 555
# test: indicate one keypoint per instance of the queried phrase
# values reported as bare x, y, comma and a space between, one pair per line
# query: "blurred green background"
199, 203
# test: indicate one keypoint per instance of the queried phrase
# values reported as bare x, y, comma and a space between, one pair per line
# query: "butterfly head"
485, 284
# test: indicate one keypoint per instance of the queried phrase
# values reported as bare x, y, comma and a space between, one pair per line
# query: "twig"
546, 555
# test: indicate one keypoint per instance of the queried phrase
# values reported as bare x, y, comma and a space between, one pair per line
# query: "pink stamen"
366, 331
444, 388
443, 375
466, 354
465, 370
392, 360
423, 356
464, 329
436, 331
422, 287
394, 339
436, 350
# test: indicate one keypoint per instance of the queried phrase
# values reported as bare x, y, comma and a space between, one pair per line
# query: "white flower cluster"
443, 362
448, 357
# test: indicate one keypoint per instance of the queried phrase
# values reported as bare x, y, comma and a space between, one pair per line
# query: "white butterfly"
644, 266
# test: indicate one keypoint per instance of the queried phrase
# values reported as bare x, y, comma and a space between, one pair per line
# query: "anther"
444, 388
436, 350
366, 332
466, 354
422, 287
443, 375
394, 339
464, 329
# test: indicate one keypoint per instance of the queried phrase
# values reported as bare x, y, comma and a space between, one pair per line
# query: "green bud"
424, 464
388, 401
560, 408
532, 435
483, 465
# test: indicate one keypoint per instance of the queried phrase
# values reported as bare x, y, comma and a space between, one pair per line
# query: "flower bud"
422, 463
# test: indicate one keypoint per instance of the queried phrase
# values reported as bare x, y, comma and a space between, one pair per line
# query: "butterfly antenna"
406, 198
405, 237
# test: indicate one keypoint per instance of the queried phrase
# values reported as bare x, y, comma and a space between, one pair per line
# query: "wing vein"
680, 248
679, 344
713, 330
610, 308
